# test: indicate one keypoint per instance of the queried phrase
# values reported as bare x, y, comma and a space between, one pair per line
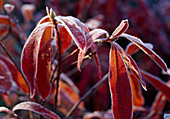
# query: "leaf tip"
143, 85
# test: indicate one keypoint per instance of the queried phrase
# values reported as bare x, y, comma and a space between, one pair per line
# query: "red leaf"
123, 26
83, 27
65, 39
44, 20
147, 50
132, 48
37, 108
16, 75
7, 21
30, 57
44, 71
132, 65
157, 83
74, 31
69, 98
119, 86
138, 99
158, 105
5, 78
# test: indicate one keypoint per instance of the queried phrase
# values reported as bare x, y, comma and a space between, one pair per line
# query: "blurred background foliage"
149, 20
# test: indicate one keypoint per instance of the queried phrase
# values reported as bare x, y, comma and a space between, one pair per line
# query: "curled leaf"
147, 50
74, 31
4, 109
80, 59
96, 33
43, 70
31, 56
119, 86
37, 108
132, 48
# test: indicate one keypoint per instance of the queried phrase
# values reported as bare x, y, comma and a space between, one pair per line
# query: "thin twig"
53, 72
59, 65
154, 112
66, 58
92, 89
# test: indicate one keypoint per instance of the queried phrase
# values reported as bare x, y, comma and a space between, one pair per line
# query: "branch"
92, 89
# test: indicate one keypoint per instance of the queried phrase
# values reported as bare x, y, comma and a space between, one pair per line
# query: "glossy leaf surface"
119, 86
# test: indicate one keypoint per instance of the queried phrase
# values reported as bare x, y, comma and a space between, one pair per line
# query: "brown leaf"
119, 86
